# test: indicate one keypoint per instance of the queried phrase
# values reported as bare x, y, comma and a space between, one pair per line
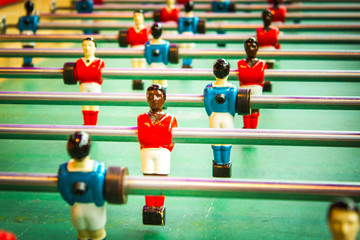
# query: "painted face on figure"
89, 48
170, 3
251, 49
267, 18
344, 224
138, 19
155, 99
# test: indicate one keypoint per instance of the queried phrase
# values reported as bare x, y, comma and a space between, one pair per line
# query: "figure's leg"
246, 120
254, 118
98, 234
138, 84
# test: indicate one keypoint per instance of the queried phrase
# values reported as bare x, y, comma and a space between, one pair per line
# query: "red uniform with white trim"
269, 38
251, 75
135, 38
279, 14
156, 135
89, 74
173, 15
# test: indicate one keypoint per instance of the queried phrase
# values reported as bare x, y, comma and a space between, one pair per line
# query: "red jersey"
173, 15
134, 38
279, 14
182, 1
156, 135
269, 38
251, 75
89, 74
98, 1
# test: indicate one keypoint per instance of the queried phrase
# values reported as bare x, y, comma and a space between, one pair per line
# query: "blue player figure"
222, 6
81, 184
220, 106
86, 6
188, 25
28, 25
157, 52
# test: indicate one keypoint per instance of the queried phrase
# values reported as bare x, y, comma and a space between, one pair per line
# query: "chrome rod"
184, 53
349, 16
236, 1
175, 100
189, 135
209, 26
198, 38
190, 74
199, 187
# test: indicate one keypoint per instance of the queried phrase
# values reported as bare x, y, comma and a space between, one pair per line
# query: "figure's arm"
147, 53
63, 185
166, 48
232, 100
207, 99
98, 185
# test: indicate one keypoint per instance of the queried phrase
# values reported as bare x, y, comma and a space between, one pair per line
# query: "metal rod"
236, 1
197, 38
350, 16
175, 100
199, 187
209, 26
189, 135
207, 7
184, 53
190, 74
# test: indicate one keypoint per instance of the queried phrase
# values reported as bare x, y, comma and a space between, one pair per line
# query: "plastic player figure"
343, 219
155, 138
7, 235
188, 25
88, 73
136, 37
267, 36
219, 100
157, 51
28, 25
81, 184
170, 13
251, 75
279, 13
222, 6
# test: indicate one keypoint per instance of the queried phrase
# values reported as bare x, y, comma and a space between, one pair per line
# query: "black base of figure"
154, 215
221, 44
222, 170
138, 85
28, 65
267, 86
270, 64
186, 66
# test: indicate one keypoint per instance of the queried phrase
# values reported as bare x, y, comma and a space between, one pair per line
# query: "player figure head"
221, 68
138, 17
251, 47
156, 96
89, 47
267, 17
78, 145
156, 30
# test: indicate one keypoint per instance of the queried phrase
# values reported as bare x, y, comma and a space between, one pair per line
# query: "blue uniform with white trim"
188, 24
211, 105
28, 23
85, 6
157, 53
220, 7
93, 180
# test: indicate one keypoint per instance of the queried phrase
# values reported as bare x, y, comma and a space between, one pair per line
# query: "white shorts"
140, 47
155, 160
90, 87
159, 66
221, 120
256, 90
88, 216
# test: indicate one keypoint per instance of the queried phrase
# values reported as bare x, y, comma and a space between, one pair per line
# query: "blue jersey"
220, 7
157, 53
212, 102
188, 24
94, 182
85, 6
28, 23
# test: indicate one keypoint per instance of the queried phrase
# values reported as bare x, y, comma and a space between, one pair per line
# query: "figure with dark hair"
251, 72
219, 101
155, 138
343, 219
157, 52
187, 26
28, 25
267, 36
81, 185
88, 73
136, 37
278, 12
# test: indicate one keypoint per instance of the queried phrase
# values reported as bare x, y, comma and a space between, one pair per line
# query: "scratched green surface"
46, 216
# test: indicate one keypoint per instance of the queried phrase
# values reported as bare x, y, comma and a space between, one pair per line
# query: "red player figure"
7, 235
251, 75
155, 138
267, 36
88, 73
279, 13
136, 37
170, 13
